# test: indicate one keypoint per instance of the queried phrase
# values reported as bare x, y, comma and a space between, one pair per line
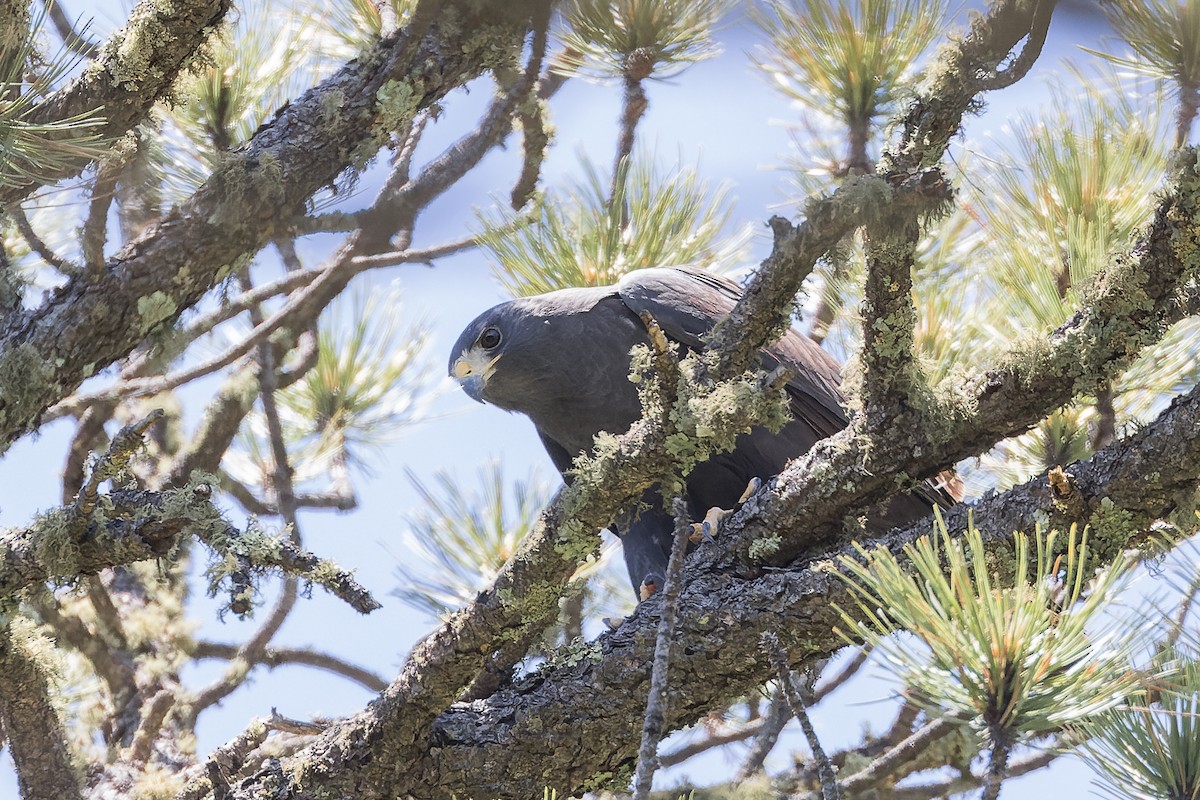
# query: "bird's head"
479, 349
531, 352
506, 355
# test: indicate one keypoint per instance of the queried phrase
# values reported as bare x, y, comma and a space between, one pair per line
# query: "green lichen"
397, 103
233, 267
244, 182
26, 377
155, 308
574, 542
332, 103
1110, 528
55, 537
572, 654
764, 547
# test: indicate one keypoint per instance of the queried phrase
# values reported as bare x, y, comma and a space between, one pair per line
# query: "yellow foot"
751, 488
648, 588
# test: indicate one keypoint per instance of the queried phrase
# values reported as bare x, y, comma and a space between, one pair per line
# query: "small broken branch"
656, 702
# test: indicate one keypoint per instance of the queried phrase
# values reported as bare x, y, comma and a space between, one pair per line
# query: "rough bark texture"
133, 70
592, 703
136, 526
100, 316
31, 725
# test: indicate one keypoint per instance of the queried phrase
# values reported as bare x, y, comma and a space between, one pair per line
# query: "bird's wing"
558, 455
687, 302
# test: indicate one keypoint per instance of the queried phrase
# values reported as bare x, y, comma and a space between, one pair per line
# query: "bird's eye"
489, 339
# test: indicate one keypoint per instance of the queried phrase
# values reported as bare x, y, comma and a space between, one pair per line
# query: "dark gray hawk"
563, 360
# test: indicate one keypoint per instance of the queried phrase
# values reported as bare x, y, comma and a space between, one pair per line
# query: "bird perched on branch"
563, 360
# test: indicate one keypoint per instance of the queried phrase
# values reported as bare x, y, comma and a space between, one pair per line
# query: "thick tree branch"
137, 526
133, 69
34, 731
1133, 303
250, 198
594, 705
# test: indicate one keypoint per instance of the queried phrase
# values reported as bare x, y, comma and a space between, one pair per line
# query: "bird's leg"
707, 530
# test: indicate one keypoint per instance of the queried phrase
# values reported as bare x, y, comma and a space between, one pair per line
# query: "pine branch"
783, 674
280, 656
776, 718
37, 244
129, 75
34, 731
720, 620
50, 350
881, 768
656, 703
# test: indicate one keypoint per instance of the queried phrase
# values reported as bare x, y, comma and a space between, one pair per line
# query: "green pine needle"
1163, 34
848, 60
607, 39
369, 383
582, 239
1146, 750
38, 151
1003, 647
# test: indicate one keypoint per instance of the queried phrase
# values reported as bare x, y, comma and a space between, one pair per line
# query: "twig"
847, 672
272, 657
964, 783
656, 703
231, 308
712, 741
308, 350
637, 66
94, 234
1019, 68
889, 319
252, 649
399, 208
74, 41
825, 771
153, 716
38, 245
425, 256
340, 498
278, 722
122, 448
531, 113
1189, 103
906, 751
768, 734
89, 435
113, 666
224, 762
331, 278
997, 768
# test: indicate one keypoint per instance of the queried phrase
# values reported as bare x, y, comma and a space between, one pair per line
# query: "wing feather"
687, 302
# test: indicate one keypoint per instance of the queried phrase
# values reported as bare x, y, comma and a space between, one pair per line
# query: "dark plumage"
562, 359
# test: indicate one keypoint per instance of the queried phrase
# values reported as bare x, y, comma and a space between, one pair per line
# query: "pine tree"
187, 198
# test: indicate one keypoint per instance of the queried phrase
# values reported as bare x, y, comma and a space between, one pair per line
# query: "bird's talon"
613, 622
648, 588
751, 489
698, 534
712, 521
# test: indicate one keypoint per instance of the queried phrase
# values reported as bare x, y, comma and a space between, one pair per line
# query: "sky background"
719, 116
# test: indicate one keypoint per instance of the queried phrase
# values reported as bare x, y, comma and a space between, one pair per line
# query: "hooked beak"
472, 374
473, 386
